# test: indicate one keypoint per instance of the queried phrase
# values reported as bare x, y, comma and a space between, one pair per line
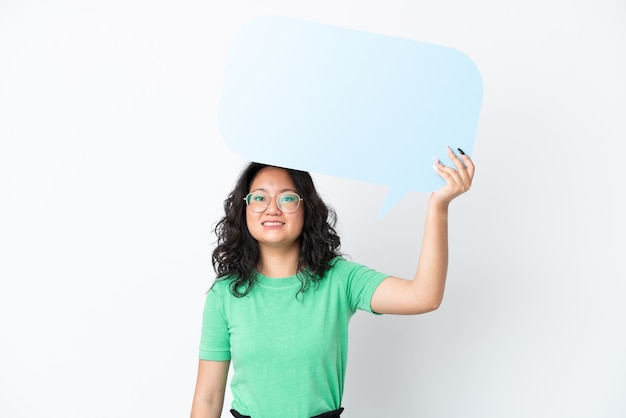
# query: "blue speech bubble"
348, 103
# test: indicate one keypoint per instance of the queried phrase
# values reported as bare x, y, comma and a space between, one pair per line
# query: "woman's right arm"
208, 398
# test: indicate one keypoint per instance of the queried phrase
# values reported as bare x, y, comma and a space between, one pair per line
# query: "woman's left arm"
425, 292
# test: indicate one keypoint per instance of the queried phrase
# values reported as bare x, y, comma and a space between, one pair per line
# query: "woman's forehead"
272, 179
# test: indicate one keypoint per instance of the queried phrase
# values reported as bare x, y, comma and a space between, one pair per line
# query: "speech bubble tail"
393, 197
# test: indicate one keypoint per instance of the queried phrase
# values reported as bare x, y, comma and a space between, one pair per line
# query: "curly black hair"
237, 253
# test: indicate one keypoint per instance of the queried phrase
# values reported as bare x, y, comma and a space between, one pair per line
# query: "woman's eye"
258, 198
288, 199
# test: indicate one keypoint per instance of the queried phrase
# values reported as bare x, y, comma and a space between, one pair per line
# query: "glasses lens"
288, 202
258, 201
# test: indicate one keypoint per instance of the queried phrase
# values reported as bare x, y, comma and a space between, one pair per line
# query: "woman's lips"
273, 223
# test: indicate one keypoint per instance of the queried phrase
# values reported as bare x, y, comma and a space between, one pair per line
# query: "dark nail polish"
461, 151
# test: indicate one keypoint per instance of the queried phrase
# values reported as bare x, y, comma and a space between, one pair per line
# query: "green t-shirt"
288, 353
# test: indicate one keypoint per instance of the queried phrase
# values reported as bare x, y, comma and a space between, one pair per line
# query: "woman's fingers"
458, 178
460, 165
469, 164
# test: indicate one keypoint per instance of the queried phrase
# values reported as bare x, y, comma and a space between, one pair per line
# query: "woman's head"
239, 232
275, 211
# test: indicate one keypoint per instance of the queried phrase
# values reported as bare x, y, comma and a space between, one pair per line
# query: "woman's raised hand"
458, 178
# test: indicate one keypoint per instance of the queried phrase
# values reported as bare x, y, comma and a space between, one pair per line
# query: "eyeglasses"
287, 202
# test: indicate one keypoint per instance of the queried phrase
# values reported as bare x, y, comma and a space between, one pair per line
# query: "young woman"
280, 307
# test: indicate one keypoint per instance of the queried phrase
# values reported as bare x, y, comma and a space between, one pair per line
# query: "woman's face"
273, 227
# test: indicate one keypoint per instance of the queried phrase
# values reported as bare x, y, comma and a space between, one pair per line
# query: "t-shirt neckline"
278, 283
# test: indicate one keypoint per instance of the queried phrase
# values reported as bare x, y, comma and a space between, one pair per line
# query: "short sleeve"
361, 283
215, 337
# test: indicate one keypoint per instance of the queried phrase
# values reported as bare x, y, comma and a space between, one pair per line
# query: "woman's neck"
278, 263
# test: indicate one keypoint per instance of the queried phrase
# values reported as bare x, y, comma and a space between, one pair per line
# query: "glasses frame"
269, 201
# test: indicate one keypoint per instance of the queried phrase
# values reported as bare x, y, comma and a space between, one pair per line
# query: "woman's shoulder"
349, 269
231, 286
342, 263
221, 284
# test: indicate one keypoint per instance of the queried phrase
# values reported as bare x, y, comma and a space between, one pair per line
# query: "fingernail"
461, 151
437, 161
436, 168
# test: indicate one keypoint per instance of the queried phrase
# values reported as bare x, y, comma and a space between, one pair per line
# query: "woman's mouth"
272, 223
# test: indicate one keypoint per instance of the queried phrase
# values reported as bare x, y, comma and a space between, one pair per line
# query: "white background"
112, 173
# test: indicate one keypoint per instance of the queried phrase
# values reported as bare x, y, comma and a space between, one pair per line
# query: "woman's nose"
273, 207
